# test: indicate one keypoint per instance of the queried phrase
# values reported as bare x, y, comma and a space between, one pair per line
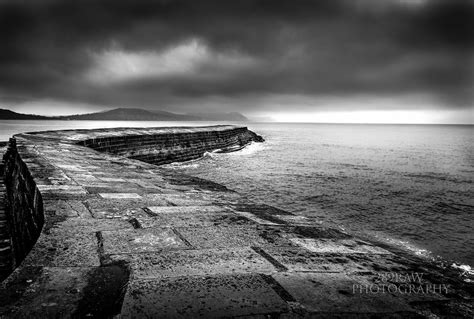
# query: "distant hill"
10, 115
128, 114
124, 114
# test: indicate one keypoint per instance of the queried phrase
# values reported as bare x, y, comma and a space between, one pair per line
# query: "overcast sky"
289, 60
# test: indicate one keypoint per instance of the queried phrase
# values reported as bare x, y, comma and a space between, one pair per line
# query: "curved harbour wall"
22, 215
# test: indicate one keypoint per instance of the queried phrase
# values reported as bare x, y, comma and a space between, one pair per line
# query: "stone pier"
96, 229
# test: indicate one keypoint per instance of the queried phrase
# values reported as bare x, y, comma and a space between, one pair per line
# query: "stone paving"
127, 239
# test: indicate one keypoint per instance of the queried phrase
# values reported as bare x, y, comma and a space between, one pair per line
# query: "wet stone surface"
140, 240
128, 239
208, 297
326, 293
192, 217
195, 262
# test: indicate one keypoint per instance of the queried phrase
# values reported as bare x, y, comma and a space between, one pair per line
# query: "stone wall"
23, 208
171, 147
6, 260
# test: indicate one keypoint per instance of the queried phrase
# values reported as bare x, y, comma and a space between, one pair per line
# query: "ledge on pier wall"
167, 146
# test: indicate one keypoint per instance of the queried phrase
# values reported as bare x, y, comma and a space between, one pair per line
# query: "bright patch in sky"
373, 117
189, 58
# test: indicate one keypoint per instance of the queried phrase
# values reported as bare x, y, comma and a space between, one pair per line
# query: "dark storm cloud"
55, 49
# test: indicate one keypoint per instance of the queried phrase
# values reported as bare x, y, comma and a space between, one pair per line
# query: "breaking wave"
249, 149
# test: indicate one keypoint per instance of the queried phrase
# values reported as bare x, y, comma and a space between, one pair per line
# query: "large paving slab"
195, 262
299, 259
140, 240
190, 216
207, 297
127, 239
339, 294
50, 292
233, 236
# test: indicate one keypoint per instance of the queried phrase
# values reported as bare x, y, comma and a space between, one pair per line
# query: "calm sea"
408, 185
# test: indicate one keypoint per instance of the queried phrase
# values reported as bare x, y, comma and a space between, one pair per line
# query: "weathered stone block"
232, 236
181, 200
208, 297
337, 294
196, 263
338, 246
302, 260
65, 247
257, 219
189, 216
140, 240
119, 195
50, 292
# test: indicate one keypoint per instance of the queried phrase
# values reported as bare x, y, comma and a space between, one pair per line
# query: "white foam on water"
411, 248
249, 149
464, 268
187, 164
466, 272
404, 244
211, 154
